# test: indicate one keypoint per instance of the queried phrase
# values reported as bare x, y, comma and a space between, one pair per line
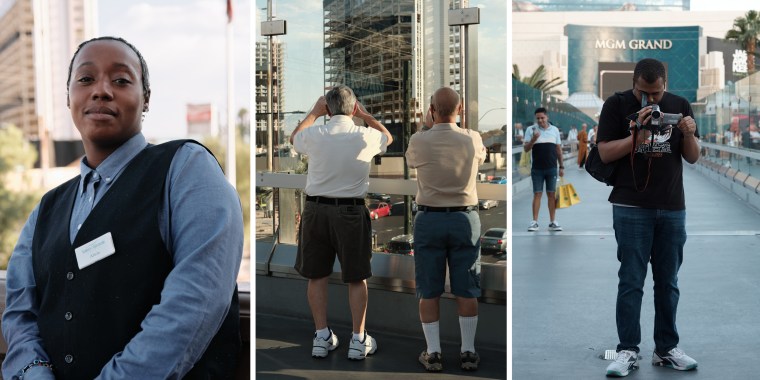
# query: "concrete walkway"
564, 287
283, 351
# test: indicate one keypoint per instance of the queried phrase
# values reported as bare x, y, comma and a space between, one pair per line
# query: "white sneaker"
625, 362
533, 226
555, 227
358, 350
675, 359
322, 346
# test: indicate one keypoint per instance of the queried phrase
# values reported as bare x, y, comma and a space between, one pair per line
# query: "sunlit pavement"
564, 286
283, 351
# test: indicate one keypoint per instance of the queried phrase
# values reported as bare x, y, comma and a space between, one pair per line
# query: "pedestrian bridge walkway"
564, 284
284, 328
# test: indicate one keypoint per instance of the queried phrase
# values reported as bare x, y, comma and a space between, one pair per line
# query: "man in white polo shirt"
335, 220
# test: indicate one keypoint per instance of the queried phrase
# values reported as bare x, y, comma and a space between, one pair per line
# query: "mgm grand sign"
634, 44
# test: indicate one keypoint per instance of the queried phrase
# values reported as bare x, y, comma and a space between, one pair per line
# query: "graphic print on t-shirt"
660, 144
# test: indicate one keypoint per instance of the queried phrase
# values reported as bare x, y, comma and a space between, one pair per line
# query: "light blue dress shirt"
201, 223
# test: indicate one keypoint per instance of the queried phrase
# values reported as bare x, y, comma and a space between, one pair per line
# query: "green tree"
538, 80
16, 154
745, 33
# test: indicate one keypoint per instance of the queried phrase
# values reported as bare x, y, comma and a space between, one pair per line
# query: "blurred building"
595, 52
37, 40
599, 5
278, 98
441, 47
368, 44
202, 121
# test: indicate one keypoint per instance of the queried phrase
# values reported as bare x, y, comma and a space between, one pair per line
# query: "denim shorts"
327, 231
447, 238
539, 176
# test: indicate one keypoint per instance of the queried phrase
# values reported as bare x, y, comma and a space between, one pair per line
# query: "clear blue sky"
183, 42
304, 79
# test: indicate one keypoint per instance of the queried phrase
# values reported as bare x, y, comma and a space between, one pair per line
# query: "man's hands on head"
320, 108
361, 112
429, 119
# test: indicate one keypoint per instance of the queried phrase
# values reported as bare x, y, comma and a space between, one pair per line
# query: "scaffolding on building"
366, 45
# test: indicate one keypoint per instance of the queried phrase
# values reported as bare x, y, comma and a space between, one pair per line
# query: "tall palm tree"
745, 32
538, 80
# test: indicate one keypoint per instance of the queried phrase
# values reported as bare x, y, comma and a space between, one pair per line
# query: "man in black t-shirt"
648, 209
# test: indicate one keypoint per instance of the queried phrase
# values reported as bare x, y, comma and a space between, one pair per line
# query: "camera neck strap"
649, 164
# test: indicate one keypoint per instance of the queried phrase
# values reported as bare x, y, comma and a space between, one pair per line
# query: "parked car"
401, 244
499, 180
379, 197
398, 208
377, 210
485, 204
494, 241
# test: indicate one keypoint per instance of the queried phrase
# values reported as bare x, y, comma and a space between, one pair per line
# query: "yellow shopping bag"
524, 168
574, 198
566, 194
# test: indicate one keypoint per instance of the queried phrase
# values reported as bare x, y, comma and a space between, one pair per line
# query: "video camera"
658, 119
661, 119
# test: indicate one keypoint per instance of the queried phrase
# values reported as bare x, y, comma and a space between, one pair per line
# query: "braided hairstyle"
143, 66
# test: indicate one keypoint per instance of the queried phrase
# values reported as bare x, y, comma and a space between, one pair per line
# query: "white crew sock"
359, 336
324, 333
467, 326
432, 337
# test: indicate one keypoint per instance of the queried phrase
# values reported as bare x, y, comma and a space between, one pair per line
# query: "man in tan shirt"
447, 225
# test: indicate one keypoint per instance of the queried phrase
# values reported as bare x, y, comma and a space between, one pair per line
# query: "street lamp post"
464, 17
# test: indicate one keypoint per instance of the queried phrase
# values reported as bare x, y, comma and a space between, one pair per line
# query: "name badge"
95, 251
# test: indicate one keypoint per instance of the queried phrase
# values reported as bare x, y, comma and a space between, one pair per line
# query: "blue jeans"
539, 176
444, 239
644, 236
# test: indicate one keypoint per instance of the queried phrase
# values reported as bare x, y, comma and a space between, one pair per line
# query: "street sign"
273, 28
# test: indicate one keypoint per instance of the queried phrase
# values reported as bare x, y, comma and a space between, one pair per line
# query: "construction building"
368, 43
278, 99
37, 40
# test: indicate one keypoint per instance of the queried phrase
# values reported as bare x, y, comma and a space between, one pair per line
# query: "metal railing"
390, 272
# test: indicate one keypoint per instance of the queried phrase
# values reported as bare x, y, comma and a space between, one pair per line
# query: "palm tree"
538, 80
745, 32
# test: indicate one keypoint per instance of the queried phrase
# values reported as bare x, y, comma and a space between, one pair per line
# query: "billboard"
202, 120
593, 52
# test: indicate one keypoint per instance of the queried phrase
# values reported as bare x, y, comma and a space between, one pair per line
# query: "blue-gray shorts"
442, 238
539, 176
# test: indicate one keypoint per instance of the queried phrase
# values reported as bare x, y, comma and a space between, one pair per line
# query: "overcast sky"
183, 42
304, 76
729, 5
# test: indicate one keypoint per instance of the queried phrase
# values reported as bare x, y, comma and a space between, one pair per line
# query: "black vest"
87, 316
